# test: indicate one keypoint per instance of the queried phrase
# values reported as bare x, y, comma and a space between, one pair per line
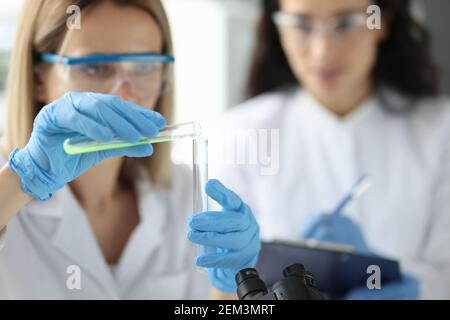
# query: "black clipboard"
336, 268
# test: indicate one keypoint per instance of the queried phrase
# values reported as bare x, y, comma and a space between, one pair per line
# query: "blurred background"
213, 43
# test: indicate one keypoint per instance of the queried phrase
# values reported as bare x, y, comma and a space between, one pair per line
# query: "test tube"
82, 144
200, 162
200, 175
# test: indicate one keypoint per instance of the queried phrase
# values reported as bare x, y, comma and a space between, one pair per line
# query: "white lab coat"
46, 238
406, 213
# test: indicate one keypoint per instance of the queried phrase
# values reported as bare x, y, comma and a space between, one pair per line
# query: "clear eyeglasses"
341, 29
148, 75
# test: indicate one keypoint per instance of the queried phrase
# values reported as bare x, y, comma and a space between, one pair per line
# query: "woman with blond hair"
109, 224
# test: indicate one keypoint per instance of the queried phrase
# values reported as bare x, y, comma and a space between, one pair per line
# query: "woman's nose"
322, 46
124, 90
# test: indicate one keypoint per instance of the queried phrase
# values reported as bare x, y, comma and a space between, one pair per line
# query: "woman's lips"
328, 75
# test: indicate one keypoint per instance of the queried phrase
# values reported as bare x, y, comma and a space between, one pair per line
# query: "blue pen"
358, 189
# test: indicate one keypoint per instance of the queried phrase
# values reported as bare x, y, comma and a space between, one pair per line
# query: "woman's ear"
40, 88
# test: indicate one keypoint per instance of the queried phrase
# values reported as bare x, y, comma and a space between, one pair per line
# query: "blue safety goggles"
146, 74
108, 58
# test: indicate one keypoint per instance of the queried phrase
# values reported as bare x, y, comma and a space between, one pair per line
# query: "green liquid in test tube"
82, 144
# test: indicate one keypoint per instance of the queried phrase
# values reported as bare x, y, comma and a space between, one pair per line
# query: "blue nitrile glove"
336, 228
44, 167
405, 289
233, 234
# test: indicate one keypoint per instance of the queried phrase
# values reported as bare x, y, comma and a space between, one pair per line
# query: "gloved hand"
232, 233
44, 167
336, 228
405, 289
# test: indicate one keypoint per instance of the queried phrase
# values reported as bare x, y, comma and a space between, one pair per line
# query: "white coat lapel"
74, 237
146, 239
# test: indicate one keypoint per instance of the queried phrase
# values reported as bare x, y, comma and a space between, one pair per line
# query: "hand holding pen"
357, 190
336, 227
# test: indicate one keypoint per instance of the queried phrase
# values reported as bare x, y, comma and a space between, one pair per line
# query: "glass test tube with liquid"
200, 174
82, 144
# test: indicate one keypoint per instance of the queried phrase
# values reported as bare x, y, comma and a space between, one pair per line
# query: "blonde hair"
42, 28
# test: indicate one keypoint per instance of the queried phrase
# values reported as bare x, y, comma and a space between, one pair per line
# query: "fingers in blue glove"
231, 258
220, 221
132, 152
324, 220
225, 197
229, 240
337, 229
75, 123
232, 229
84, 102
44, 167
232, 234
124, 119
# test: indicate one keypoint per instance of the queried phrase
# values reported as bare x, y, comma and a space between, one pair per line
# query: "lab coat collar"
75, 238
321, 114
53, 208
147, 237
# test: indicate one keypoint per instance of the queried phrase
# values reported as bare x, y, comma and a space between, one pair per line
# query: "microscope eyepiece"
297, 284
249, 284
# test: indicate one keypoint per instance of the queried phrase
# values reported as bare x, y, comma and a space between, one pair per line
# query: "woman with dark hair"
351, 97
